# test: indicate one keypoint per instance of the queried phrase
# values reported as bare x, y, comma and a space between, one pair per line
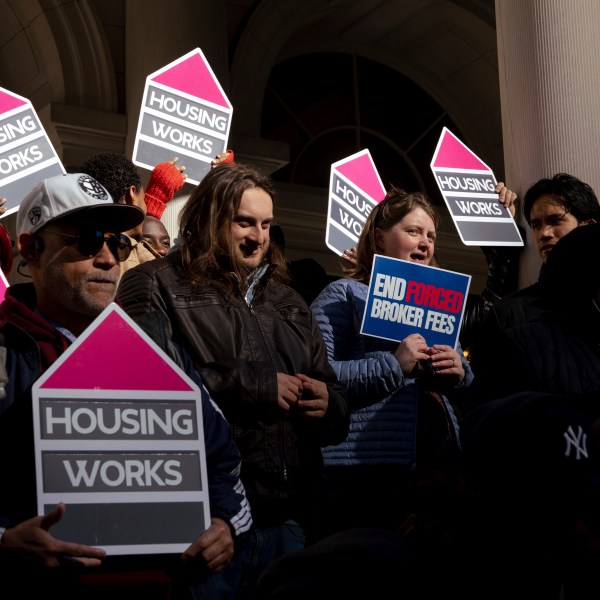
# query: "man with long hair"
222, 295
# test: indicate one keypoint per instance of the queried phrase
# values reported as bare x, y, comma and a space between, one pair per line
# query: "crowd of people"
337, 462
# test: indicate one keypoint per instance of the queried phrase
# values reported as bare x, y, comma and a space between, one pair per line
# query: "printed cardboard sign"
406, 297
3, 285
354, 189
26, 153
467, 185
184, 113
119, 439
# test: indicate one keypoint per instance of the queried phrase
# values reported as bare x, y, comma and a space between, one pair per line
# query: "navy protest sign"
406, 297
468, 187
26, 154
184, 113
119, 439
354, 189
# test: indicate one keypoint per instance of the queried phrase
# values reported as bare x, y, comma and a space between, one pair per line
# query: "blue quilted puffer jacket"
382, 399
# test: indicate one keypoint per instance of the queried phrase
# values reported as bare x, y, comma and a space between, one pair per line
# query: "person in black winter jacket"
558, 350
528, 520
553, 207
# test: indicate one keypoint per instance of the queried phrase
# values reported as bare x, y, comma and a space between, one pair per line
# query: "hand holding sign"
34, 540
447, 362
410, 351
215, 546
165, 180
444, 360
507, 198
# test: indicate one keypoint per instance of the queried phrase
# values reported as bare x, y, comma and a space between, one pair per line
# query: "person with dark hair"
222, 294
155, 234
557, 204
121, 178
403, 429
553, 207
557, 350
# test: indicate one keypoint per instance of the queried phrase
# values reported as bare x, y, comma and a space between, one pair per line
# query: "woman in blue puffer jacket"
403, 434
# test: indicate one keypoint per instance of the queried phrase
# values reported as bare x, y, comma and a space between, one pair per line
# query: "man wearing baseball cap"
69, 234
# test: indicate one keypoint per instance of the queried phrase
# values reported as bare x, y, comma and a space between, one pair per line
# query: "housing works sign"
355, 188
468, 187
184, 113
26, 154
119, 439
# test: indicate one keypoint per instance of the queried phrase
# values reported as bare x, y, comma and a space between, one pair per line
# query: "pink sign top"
114, 356
192, 74
361, 171
10, 101
453, 154
3, 285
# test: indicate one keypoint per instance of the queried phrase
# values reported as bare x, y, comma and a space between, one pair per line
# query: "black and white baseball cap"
76, 197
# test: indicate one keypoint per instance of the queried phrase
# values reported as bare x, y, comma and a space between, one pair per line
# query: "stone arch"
56, 52
454, 60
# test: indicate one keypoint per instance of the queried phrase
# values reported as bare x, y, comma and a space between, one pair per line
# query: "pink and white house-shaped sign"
119, 439
354, 189
26, 153
468, 187
184, 113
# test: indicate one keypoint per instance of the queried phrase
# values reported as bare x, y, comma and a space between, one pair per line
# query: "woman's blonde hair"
392, 209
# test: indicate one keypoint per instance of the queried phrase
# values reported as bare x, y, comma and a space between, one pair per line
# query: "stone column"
549, 69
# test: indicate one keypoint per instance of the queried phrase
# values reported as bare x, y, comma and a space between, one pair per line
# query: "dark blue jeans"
238, 579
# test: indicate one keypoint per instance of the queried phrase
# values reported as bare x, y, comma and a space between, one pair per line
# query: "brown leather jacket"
238, 349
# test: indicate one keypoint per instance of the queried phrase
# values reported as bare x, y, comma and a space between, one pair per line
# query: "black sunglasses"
89, 243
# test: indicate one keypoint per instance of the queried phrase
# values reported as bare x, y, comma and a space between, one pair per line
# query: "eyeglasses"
90, 242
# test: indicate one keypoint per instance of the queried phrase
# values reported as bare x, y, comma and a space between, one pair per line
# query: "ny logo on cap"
576, 442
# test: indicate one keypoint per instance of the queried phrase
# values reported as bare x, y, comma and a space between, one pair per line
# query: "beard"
89, 294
